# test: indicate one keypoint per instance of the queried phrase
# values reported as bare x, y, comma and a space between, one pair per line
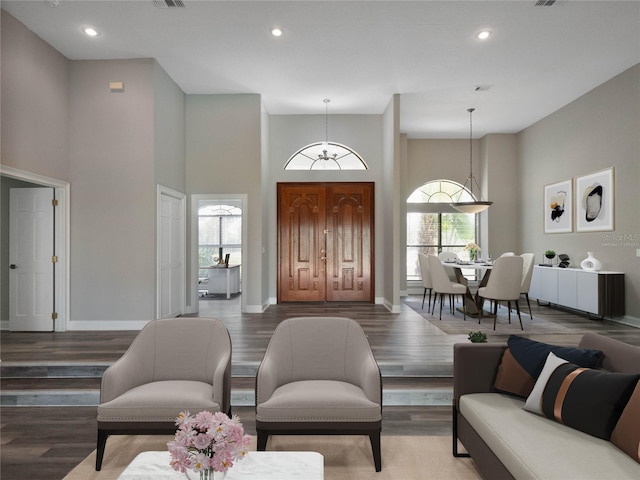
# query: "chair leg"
424, 296
262, 440
519, 317
441, 300
480, 310
102, 442
375, 448
526, 295
429, 304
495, 313
464, 310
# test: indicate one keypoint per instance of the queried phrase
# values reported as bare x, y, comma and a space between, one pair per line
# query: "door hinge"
54, 259
54, 202
54, 315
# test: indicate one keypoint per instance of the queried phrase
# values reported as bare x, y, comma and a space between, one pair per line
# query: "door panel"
325, 246
31, 249
349, 243
302, 225
171, 257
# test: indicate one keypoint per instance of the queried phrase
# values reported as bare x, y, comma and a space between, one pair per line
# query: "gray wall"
113, 193
35, 103
169, 131
599, 130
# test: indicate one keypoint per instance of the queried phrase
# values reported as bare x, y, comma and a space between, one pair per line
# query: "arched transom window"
325, 156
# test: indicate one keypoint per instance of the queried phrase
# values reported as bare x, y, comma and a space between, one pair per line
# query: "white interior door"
31, 253
171, 250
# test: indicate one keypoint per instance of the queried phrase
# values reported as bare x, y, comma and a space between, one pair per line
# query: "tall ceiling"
360, 53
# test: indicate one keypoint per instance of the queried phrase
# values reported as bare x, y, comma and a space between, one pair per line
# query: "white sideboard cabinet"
599, 293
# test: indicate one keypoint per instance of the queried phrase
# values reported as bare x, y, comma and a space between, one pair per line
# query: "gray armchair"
319, 376
173, 365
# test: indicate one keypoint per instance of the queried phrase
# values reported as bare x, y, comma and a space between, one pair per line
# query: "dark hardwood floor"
415, 356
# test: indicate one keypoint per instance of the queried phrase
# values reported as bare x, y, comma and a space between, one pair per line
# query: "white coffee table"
255, 466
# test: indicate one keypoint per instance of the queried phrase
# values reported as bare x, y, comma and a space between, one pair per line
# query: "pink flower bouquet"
207, 442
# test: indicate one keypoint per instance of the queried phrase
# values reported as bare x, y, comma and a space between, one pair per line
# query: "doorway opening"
59, 315
218, 241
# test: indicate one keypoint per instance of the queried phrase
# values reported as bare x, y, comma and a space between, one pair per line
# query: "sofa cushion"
626, 435
531, 446
318, 401
585, 399
159, 402
524, 359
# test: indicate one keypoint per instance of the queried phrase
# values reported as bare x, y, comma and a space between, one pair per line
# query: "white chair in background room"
503, 286
442, 285
425, 272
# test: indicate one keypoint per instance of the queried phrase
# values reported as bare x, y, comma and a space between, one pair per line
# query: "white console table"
223, 279
255, 466
599, 293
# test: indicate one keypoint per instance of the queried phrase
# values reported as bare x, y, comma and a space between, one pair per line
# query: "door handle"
13, 266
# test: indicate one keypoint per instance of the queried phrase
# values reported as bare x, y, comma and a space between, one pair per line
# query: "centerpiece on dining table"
474, 251
207, 442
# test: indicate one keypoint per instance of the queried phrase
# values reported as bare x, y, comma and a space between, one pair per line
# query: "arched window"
433, 225
325, 156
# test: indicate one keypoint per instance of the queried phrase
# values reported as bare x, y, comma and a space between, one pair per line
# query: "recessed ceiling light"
484, 34
90, 31
276, 32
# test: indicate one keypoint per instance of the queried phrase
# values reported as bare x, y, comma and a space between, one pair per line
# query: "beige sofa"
507, 442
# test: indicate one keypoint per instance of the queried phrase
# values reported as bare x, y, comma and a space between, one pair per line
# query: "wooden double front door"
325, 242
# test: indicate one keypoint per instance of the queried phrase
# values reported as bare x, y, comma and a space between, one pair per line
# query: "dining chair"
425, 272
527, 271
448, 256
507, 254
442, 284
503, 286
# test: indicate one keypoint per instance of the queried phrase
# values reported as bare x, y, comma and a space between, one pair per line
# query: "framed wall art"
594, 201
558, 208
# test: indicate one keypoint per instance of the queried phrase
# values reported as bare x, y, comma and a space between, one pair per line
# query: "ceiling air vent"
169, 3
545, 3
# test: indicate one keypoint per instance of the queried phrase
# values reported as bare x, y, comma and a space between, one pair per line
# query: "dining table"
472, 302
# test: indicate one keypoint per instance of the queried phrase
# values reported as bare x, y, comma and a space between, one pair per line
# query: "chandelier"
325, 146
476, 206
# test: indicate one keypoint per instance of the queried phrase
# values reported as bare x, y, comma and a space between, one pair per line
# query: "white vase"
591, 263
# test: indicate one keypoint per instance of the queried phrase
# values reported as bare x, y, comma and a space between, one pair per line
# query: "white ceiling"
359, 53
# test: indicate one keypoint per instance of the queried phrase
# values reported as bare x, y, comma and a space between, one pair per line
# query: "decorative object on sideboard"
591, 263
563, 258
549, 255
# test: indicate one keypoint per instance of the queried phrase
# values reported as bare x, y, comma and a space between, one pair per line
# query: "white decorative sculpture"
591, 263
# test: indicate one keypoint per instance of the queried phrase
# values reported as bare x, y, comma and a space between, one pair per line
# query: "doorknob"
12, 266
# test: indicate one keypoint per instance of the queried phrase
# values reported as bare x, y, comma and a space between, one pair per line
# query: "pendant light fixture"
475, 206
325, 146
